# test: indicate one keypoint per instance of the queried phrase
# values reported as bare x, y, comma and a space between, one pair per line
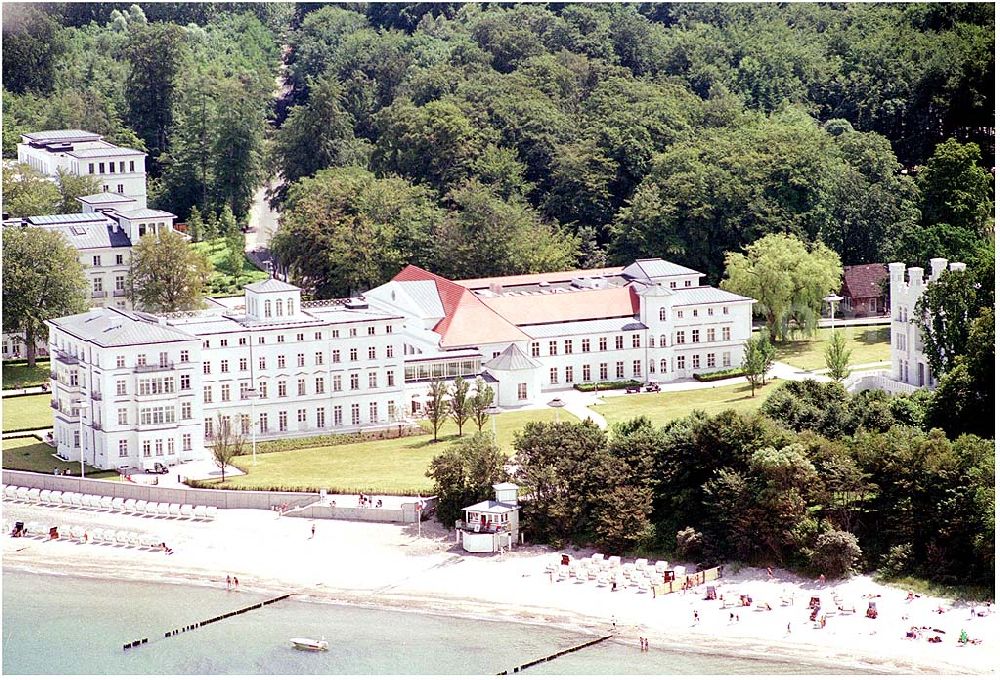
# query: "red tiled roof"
556, 307
467, 321
864, 281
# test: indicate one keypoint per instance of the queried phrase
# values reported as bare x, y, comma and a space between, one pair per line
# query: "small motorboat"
310, 645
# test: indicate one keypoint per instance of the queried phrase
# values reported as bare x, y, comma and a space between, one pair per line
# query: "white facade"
909, 363
117, 169
152, 387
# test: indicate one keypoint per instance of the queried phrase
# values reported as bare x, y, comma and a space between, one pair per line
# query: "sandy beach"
386, 565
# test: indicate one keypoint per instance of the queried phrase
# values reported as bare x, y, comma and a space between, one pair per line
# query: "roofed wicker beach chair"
141, 507
118, 504
45, 497
661, 566
129, 505
210, 512
34, 495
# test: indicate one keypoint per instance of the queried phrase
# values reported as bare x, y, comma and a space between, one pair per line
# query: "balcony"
120, 293
151, 368
53, 375
67, 359
478, 528
98, 294
96, 396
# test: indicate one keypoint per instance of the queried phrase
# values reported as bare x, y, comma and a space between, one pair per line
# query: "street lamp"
252, 395
557, 404
81, 406
832, 299
493, 411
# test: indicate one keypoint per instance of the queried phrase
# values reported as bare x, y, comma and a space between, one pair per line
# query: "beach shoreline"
386, 566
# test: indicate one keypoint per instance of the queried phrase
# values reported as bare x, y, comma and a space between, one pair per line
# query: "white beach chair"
614, 560
129, 506
36, 529
175, 509
552, 566
597, 557
200, 511
106, 502
163, 509
10, 492
641, 563
642, 585
581, 575
134, 539
562, 574
45, 497
210, 512
86, 500
73, 499
118, 504
22, 494
56, 497
34, 495
661, 566
187, 510
679, 571
75, 532
141, 507
97, 536
602, 579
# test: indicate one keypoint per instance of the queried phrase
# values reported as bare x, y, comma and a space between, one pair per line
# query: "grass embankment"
663, 407
16, 376
966, 593
27, 413
223, 280
868, 344
390, 466
31, 455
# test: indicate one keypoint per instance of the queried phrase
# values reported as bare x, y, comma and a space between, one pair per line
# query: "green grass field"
663, 407
868, 344
31, 455
21, 413
20, 375
223, 282
382, 466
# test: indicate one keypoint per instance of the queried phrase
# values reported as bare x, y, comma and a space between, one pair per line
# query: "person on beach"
614, 621
229, 582
696, 619
789, 628
236, 583
313, 530
770, 573
822, 579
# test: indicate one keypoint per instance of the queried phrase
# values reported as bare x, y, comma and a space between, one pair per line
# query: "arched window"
279, 308
664, 367
267, 308
652, 341
291, 307
663, 341
663, 314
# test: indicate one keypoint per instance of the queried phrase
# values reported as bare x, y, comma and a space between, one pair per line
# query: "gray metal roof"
145, 213
593, 327
104, 152
110, 327
67, 218
653, 268
105, 197
62, 136
511, 359
425, 295
270, 286
705, 295
491, 506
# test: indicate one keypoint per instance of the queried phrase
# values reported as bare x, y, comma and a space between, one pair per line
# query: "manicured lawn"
868, 344
20, 375
31, 455
663, 407
222, 281
382, 466
20, 413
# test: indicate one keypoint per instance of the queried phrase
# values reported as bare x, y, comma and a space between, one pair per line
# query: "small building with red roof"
865, 290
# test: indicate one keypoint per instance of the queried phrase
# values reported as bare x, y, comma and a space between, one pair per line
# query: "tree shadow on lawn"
430, 442
877, 336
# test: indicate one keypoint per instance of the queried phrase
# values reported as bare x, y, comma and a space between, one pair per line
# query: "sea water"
63, 625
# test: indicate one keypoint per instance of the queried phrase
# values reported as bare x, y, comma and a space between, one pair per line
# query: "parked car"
651, 387
158, 469
633, 388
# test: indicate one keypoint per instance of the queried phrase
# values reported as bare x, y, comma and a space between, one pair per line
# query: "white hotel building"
118, 169
151, 387
909, 363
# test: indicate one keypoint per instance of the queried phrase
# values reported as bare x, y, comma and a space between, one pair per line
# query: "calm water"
63, 625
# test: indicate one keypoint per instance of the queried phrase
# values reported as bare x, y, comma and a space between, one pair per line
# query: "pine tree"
211, 225
227, 223
196, 227
838, 357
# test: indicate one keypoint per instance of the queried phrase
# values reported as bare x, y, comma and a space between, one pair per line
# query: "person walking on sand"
822, 579
313, 530
229, 582
236, 583
696, 619
789, 628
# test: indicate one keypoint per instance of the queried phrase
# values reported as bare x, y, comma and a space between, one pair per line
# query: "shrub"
836, 554
735, 372
898, 562
614, 385
690, 544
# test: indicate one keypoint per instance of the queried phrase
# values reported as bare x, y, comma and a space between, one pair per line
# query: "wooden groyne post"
177, 631
550, 657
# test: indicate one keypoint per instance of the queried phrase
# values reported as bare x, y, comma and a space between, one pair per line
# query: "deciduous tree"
436, 406
459, 402
27, 192
465, 474
481, 402
946, 310
166, 274
838, 357
71, 187
42, 279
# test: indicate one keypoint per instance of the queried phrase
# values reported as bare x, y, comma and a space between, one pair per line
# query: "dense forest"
498, 139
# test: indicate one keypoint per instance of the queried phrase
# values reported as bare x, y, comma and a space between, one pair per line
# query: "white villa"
119, 170
909, 363
144, 388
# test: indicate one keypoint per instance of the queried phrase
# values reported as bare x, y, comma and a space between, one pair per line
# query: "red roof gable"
864, 281
467, 321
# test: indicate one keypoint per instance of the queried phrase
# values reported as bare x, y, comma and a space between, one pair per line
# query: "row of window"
299, 337
680, 337
602, 343
110, 165
680, 363
301, 419
155, 447
119, 259
694, 311
319, 383
300, 359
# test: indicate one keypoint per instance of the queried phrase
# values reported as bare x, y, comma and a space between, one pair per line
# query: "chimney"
957, 267
938, 265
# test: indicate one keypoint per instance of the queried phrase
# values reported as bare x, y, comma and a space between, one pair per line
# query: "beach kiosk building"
491, 525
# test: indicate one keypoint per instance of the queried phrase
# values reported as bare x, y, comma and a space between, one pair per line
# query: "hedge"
597, 387
276, 445
720, 375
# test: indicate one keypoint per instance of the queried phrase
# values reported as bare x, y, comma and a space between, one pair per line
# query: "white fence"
877, 380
